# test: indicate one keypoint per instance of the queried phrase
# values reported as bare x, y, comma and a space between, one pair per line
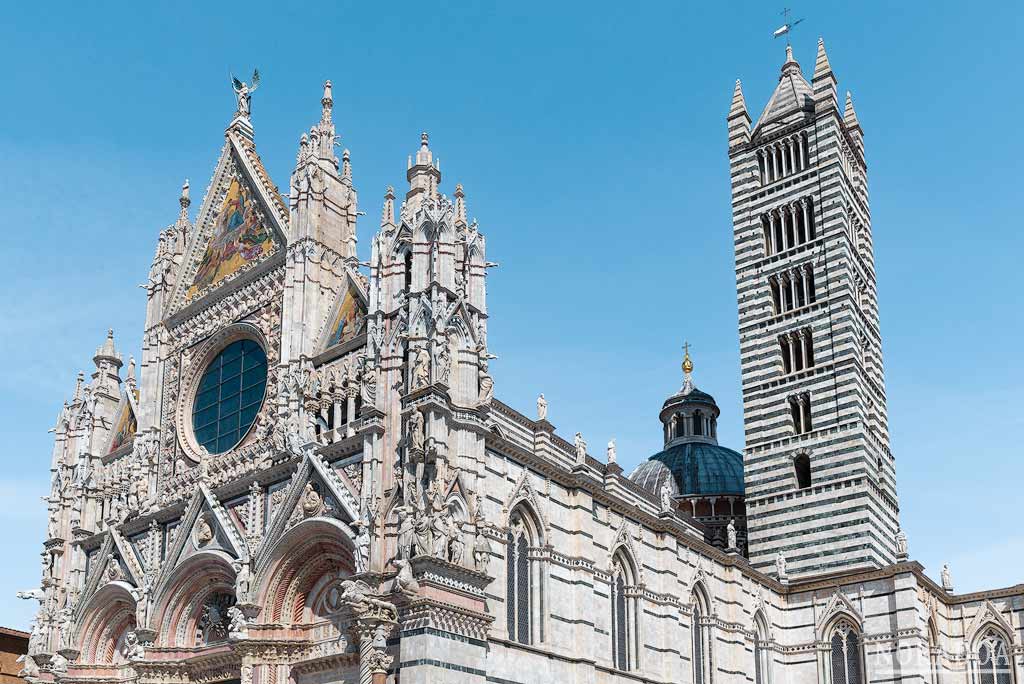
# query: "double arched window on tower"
625, 624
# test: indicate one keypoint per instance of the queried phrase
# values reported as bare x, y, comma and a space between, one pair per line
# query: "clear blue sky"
591, 141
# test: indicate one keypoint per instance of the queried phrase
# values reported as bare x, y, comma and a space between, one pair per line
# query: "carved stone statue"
66, 622
237, 624
133, 649
947, 578
542, 407
415, 435
581, 448
362, 541
28, 666
404, 581
357, 596
666, 496
440, 524
486, 385
420, 369
731, 533
243, 582
244, 91
481, 550
901, 544
204, 532
611, 450
422, 528
780, 567
456, 547
406, 533
368, 389
442, 358
312, 502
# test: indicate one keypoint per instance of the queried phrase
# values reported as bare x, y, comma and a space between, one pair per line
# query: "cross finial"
687, 362
787, 26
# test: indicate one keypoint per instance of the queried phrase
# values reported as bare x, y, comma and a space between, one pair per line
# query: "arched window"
934, 651
525, 598
844, 653
701, 643
698, 423
802, 468
762, 656
991, 659
625, 640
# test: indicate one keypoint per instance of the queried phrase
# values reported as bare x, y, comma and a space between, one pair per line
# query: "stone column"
771, 229
803, 151
805, 279
792, 353
350, 410
792, 290
805, 342
807, 220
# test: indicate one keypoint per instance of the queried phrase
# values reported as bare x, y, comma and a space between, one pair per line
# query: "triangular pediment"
988, 614
241, 225
316, 490
347, 318
205, 526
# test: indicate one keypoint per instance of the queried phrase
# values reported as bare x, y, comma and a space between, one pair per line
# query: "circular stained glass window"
229, 396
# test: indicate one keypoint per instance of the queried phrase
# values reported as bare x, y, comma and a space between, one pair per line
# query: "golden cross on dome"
687, 363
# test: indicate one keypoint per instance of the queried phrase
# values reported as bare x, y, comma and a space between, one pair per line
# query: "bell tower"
819, 474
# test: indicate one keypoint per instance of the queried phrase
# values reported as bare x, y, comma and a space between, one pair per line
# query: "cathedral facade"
309, 479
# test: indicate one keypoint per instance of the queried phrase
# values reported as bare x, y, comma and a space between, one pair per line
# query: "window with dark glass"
229, 396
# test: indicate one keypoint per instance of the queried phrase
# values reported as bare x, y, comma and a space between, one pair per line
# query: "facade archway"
105, 621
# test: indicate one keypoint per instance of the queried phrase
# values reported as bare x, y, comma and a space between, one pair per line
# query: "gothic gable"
837, 604
241, 224
347, 318
125, 424
988, 614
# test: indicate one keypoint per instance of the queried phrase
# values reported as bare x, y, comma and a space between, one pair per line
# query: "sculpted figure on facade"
611, 451
420, 368
243, 581
665, 493
486, 385
416, 437
406, 533
901, 544
244, 91
362, 543
133, 648
237, 623
404, 580
947, 577
731, 533
368, 388
542, 407
580, 447
442, 357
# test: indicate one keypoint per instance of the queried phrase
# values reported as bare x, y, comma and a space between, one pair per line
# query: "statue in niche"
204, 532
65, 621
243, 581
422, 529
368, 388
420, 369
416, 432
440, 529
406, 533
486, 385
442, 357
362, 541
456, 547
312, 502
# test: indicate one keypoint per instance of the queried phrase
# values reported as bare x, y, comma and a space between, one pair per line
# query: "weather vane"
787, 27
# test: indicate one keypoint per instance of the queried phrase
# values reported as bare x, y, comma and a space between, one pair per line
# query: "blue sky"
591, 141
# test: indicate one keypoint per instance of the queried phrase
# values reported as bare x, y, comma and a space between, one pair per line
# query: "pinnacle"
739, 104
822, 68
849, 113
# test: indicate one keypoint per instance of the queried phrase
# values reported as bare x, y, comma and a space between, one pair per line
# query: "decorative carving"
362, 542
420, 369
237, 623
580, 446
780, 568
204, 532
666, 495
731, 532
312, 502
611, 451
133, 649
404, 581
486, 385
901, 545
947, 578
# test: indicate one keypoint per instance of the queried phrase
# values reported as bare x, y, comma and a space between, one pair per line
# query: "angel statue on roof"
243, 91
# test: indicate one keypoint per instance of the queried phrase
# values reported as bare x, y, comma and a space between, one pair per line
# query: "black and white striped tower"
819, 474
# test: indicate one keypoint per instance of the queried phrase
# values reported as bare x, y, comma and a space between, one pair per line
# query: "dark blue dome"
696, 468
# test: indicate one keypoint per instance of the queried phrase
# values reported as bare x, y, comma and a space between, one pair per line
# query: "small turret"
739, 119
423, 176
852, 123
387, 214
824, 82
460, 207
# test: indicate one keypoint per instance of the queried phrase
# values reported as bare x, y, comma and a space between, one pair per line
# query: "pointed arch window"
524, 588
624, 606
845, 655
699, 628
762, 656
992, 659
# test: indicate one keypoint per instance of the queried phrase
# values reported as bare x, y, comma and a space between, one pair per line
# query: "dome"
696, 468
